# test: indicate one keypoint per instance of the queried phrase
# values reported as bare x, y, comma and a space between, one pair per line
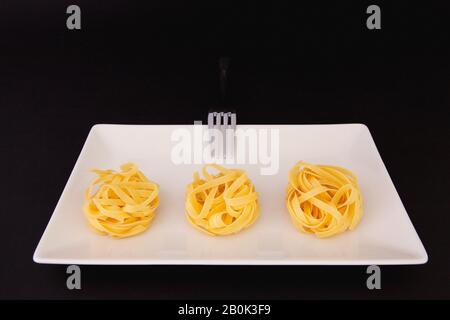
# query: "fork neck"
224, 63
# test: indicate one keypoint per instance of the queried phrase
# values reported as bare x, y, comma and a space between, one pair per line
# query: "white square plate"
384, 236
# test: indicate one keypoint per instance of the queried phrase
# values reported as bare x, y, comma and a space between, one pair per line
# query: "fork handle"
224, 64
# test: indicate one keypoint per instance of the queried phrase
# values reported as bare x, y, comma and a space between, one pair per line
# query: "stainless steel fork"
224, 121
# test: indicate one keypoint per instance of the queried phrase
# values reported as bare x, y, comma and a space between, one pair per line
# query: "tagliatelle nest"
124, 204
324, 200
221, 204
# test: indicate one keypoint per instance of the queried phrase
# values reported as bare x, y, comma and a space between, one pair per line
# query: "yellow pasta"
324, 200
124, 203
221, 204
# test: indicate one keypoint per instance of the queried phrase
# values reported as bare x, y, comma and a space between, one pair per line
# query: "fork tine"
218, 120
210, 120
225, 119
232, 120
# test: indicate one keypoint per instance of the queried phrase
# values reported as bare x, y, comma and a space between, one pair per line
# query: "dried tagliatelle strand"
124, 203
324, 200
222, 203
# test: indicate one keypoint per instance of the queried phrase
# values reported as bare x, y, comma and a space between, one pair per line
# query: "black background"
155, 62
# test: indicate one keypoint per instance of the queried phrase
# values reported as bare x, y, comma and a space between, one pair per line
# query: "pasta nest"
323, 200
222, 203
124, 203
